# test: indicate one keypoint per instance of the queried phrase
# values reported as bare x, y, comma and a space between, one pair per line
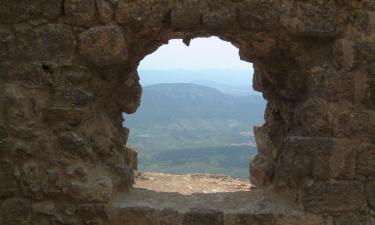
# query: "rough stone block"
342, 160
311, 19
138, 15
8, 184
370, 94
77, 96
261, 170
74, 74
7, 43
366, 160
79, 12
103, 45
15, 211
224, 19
31, 180
69, 115
186, 15
203, 217
15, 11
333, 197
263, 142
105, 11
350, 218
53, 9
51, 41
253, 13
98, 189
74, 144
356, 124
306, 157
315, 117
131, 157
129, 12
370, 191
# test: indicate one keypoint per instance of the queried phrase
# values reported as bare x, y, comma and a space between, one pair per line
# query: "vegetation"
183, 128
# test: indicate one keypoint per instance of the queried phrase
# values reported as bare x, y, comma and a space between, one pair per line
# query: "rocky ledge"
203, 199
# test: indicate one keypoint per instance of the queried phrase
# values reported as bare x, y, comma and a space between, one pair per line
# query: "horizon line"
161, 69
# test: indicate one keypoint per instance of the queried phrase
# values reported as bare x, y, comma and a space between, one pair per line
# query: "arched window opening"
197, 110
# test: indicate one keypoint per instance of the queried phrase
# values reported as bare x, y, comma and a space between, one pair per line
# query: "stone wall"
68, 71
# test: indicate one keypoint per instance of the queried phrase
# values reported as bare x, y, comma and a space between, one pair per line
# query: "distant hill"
165, 103
229, 81
194, 118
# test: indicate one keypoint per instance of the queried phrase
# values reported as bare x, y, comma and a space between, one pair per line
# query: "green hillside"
178, 119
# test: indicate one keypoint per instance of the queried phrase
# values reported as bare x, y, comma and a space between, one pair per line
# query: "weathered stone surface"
45, 42
312, 19
220, 19
68, 73
71, 116
8, 185
370, 94
333, 196
103, 45
262, 170
30, 180
187, 14
315, 117
16, 11
77, 96
222, 203
366, 160
356, 123
131, 157
74, 144
253, 13
79, 12
7, 42
98, 189
53, 9
370, 190
306, 157
74, 74
105, 11
202, 217
15, 211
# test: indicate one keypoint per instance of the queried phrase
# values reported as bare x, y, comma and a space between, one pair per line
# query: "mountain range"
179, 123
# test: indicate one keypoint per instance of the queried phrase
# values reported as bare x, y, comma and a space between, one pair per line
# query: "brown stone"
252, 13
68, 72
370, 190
8, 186
53, 9
79, 12
30, 180
261, 170
105, 11
15, 211
186, 15
311, 19
97, 190
306, 157
203, 217
71, 115
103, 45
366, 160
16, 11
333, 196
7, 42
44, 42
220, 19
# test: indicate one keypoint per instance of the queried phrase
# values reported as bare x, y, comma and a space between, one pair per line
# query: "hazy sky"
203, 53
